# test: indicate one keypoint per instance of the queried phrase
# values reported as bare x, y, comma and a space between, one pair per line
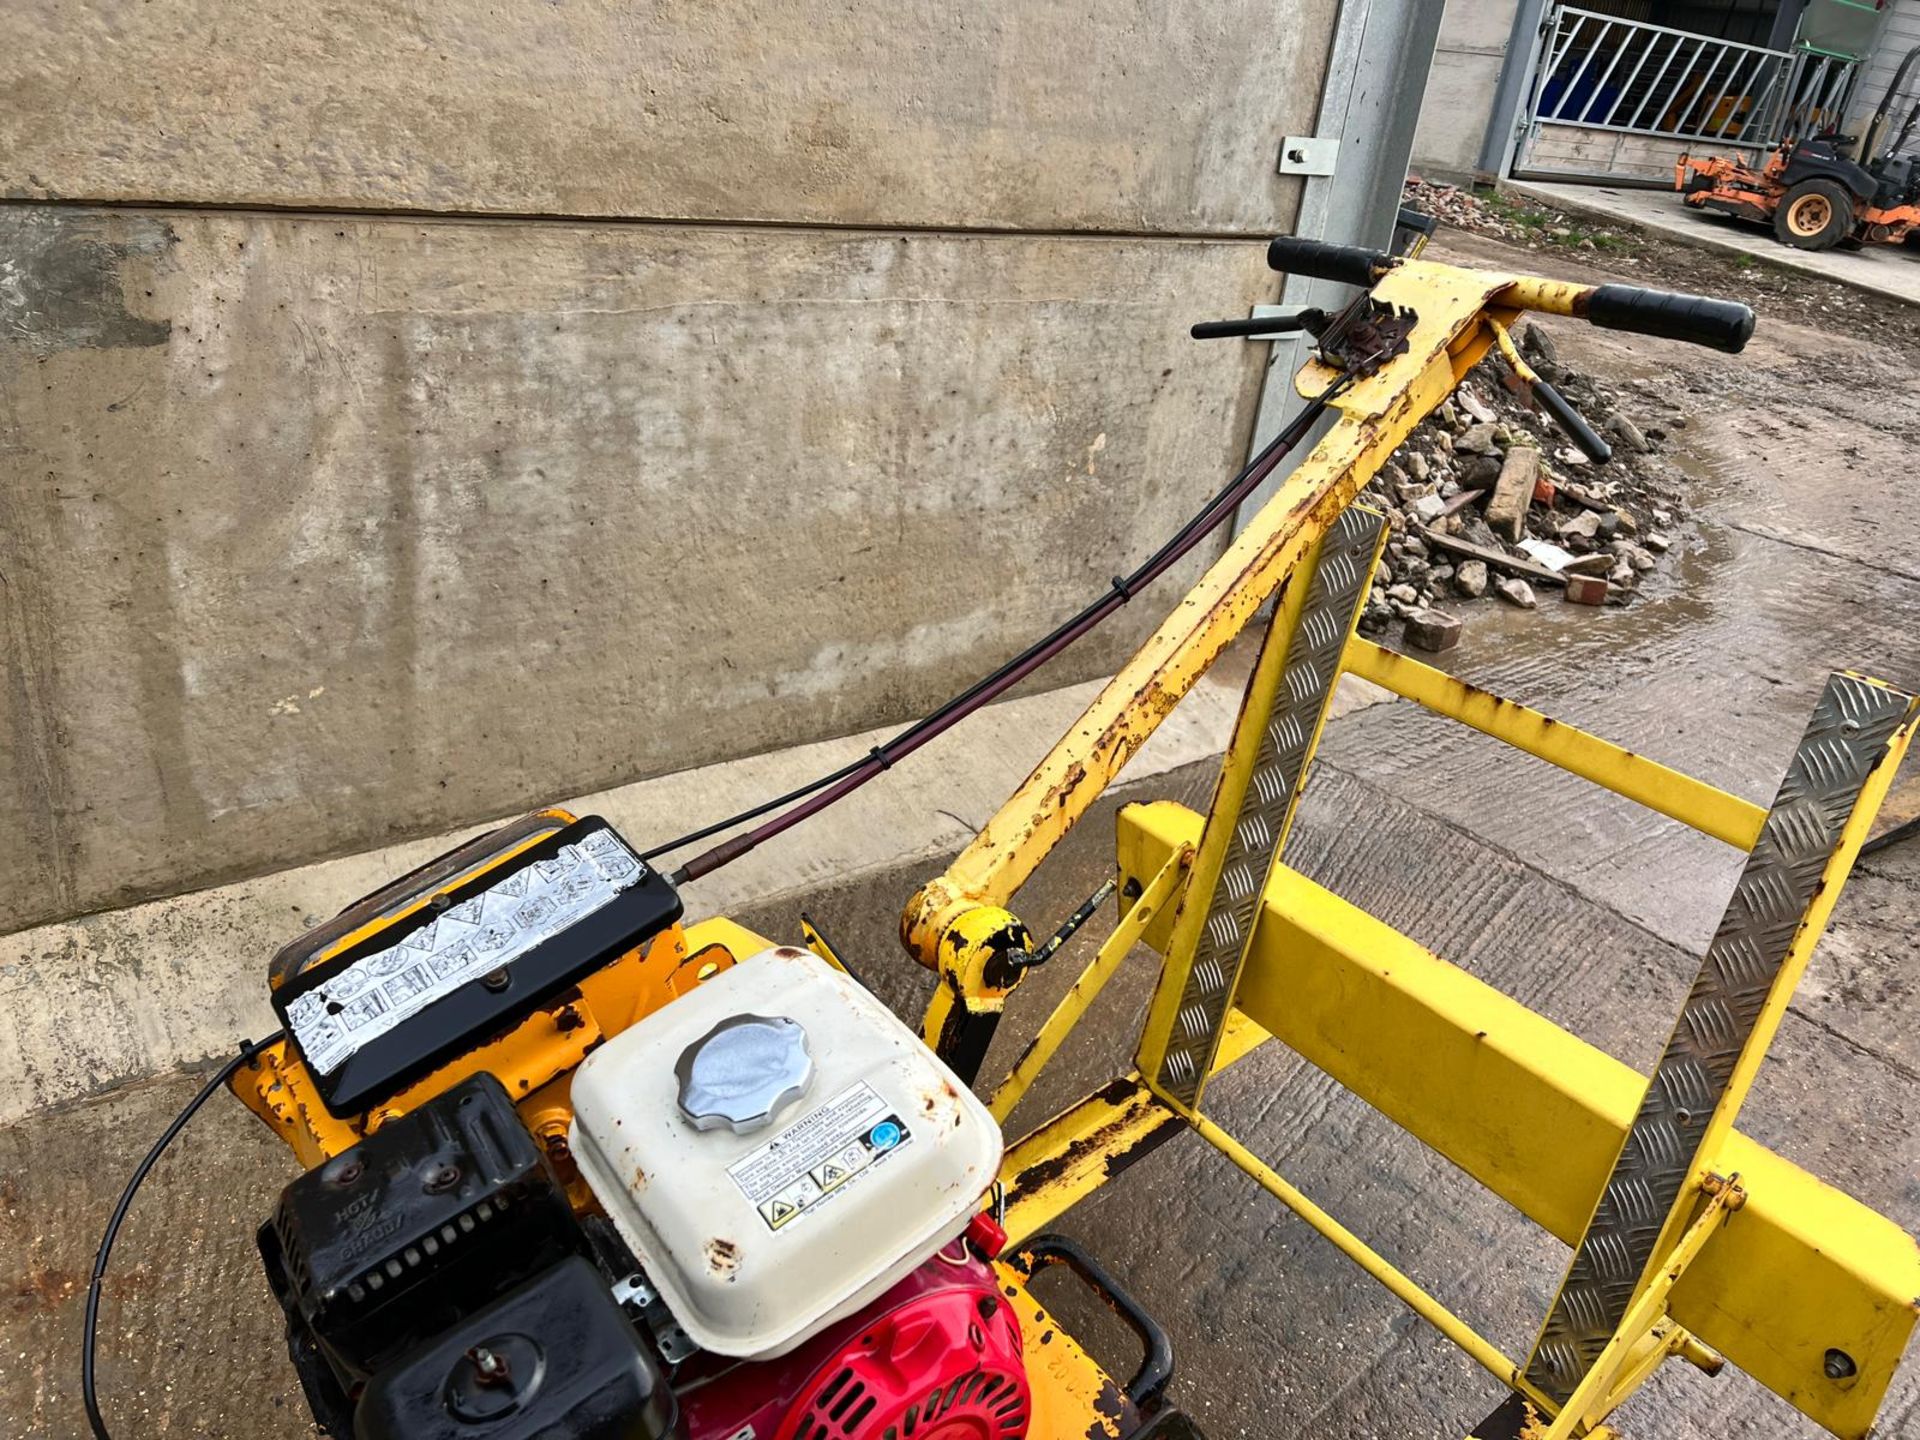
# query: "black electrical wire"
1126, 586
248, 1050
851, 776
1906, 830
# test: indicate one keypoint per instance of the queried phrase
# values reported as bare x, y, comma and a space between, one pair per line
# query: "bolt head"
442, 1178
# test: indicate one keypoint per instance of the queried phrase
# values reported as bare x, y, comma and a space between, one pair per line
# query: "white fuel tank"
778, 1149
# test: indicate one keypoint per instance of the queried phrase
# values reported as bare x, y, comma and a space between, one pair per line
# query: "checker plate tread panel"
1342, 573
1847, 736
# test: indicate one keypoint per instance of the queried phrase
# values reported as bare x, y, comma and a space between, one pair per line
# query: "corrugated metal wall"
1899, 35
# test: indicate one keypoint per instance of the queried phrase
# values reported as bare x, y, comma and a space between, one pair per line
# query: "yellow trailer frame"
1808, 1290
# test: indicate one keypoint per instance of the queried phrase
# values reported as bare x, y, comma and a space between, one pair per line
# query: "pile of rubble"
1455, 208
1523, 222
1487, 498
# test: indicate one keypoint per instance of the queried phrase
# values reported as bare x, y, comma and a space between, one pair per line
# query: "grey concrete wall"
1021, 114
1459, 102
319, 529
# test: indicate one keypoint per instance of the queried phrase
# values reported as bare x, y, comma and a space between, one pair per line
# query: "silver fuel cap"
743, 1072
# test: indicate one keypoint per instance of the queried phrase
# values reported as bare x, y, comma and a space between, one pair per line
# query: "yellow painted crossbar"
1537, 1115
1661, 789
1087, 987
1063, 1161
1476, 1345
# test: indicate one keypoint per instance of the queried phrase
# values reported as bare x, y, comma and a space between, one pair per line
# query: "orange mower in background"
1814, 192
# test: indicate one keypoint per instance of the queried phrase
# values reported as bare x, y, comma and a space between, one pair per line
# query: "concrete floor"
1892, 271
1803, 556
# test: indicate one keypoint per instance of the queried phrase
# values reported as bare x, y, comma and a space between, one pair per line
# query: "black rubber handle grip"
1342, 264
1718, 324
1156, 1368
1572, 423
1256, 326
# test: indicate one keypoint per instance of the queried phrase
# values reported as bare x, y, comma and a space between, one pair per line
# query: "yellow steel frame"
1532, 1112
1086, 989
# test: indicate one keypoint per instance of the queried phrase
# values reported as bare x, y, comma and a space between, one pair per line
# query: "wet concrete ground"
1801, 558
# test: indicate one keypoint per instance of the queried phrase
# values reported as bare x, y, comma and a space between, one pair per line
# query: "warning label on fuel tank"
818, 1155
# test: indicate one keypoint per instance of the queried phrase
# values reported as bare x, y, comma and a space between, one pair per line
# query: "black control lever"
1028, 959
1259, 327
1527, 381
1571, 422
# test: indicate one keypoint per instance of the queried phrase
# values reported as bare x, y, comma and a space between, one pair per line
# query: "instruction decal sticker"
819, 1155
484, 932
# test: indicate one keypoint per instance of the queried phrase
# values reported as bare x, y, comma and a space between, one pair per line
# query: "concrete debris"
1507, 507
1584, 526
1481, 439
1475, 406
1537, 345
1480, 500
1517, 591
1480, 472
1433, 630
1627, 433
1530, 225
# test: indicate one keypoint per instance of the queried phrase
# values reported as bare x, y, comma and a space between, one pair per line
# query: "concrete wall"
715, 378
1458, 108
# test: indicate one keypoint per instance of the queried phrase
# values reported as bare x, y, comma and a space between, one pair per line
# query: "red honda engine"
790, 1244
936, 1358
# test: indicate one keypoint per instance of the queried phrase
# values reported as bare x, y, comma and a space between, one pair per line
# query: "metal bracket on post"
1309, 154
1376, 77
1839, 774
1279, 725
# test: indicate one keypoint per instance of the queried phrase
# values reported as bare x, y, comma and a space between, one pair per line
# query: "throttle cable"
90, 1326
829, 789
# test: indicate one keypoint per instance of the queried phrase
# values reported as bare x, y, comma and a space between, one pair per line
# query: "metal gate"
1618, 100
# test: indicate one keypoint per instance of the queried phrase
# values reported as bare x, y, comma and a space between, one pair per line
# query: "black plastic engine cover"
554, 1359
425, 1220
483, 954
